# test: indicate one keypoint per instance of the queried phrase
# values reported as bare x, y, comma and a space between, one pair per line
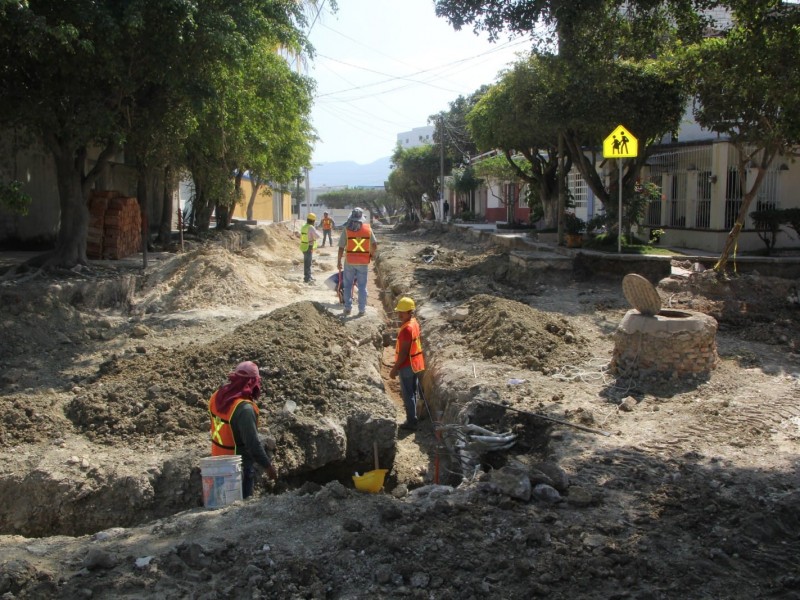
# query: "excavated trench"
83, 485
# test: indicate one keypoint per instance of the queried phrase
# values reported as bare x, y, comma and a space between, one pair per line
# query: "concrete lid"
641, 294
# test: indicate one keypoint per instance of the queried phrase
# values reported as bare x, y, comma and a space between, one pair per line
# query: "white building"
419, 136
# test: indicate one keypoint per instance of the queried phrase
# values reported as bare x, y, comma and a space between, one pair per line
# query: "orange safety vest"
358, 245
327, 223
415, 350
222, 442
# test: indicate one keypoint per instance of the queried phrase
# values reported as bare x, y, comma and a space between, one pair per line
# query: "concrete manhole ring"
641, 294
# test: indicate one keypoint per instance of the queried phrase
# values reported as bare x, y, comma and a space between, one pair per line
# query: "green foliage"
377, 201
13, 199
415, 176
656, 235
573, 224
768, 224
464, 180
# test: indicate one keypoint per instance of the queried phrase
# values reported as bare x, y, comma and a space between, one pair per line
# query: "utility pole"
441, 166
308, 193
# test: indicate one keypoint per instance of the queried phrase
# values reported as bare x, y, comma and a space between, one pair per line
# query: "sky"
384, 66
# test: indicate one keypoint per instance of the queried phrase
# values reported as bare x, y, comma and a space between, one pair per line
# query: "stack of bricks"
115, 226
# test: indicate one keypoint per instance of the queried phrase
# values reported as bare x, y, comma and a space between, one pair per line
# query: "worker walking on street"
308, 243
327, 229
234, 423
357, 244
409, 361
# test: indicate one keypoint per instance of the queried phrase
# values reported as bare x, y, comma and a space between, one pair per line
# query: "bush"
573, 224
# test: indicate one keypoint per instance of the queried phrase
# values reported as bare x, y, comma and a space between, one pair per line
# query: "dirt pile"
520, 335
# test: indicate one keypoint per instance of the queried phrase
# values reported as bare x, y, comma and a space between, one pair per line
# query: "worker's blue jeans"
408, 389
307, 256
357, 273
248, 479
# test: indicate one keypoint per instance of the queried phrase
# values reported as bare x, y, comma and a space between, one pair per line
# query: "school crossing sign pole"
620, 144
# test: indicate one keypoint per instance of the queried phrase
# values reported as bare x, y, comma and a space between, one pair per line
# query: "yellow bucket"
371, 481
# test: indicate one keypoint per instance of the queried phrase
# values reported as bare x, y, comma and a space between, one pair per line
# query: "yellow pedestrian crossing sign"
620, 144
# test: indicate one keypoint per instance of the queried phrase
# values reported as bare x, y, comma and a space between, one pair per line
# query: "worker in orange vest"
234, 423
409, 361
327, 229
357, 245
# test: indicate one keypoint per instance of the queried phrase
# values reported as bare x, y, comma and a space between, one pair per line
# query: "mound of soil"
521, 335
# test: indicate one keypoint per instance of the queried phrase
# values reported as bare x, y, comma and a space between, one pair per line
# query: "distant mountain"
350, 173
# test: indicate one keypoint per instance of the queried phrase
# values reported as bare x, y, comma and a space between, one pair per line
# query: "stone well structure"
663, 343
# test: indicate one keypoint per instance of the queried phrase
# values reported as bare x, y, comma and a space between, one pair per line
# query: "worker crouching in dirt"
234, 423
408, 359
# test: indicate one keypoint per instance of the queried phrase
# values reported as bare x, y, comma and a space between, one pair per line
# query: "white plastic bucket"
222, 480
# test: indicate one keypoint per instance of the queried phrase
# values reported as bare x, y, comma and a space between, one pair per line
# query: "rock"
420, 580
628, 404
401, 491
512, 482
546, 493
578, 496
352, 525
99, 559
140, 331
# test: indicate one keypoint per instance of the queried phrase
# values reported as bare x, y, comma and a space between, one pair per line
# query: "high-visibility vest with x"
222, 441
327, 223
358, 250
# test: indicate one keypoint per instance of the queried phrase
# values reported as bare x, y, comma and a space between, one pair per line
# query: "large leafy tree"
415, 176
603, 75
748, 89
73, 72
519, 116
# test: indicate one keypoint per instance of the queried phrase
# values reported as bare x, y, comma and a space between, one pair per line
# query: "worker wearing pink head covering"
234, 423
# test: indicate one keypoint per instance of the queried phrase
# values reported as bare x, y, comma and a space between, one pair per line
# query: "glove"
273, 474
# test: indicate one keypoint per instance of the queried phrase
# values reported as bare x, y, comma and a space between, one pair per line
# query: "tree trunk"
70, 249
255, 183
733, 236
165, 224
142, 195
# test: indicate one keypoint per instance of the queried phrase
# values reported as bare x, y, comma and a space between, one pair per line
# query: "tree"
748, 90
603, 75
518, 116
452, 127
415, 176
377, 201
74, 71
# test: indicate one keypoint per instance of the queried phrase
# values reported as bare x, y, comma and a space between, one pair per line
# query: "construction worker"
357, 244
308, 243
408, 359
234, 423
327, 229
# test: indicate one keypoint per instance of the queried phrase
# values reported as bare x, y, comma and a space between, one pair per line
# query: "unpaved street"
682, 487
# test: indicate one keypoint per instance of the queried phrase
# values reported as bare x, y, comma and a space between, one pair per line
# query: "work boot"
409, 426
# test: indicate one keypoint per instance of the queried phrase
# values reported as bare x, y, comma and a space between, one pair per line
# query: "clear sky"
384, 66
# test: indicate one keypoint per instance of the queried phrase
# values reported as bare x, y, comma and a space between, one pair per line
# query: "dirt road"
105, 375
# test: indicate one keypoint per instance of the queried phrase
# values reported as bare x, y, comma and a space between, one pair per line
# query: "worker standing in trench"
409, 361
234, 423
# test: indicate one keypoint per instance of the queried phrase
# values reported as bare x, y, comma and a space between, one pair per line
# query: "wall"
34, 167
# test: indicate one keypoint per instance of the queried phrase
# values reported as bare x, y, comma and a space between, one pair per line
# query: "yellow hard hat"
405, 304
312, 217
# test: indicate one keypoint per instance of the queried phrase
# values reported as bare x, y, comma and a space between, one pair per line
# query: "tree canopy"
748, 89
92, 75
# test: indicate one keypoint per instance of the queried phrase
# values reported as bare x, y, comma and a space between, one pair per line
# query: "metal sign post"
620, 144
